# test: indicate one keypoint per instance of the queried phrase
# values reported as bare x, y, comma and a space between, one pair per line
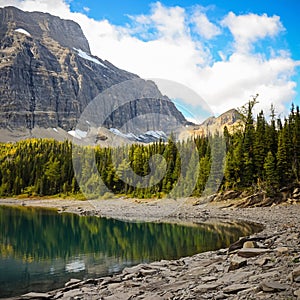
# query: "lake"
41, 249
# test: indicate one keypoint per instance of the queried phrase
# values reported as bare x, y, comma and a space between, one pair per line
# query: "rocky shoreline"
265, 265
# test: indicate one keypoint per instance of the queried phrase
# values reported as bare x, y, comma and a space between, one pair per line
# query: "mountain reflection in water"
41, 249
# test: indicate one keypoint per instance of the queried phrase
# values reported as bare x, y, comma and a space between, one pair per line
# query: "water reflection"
41, 249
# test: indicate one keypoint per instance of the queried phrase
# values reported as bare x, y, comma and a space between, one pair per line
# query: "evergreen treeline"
263, 155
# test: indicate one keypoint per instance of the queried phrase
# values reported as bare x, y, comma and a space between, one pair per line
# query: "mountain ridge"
48, 77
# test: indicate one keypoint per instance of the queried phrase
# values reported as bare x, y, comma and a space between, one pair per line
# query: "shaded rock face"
48, 75
43, 26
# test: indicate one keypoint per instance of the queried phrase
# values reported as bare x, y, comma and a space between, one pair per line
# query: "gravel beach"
265, 265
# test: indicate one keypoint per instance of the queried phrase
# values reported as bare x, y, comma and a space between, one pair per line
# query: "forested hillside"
263, 155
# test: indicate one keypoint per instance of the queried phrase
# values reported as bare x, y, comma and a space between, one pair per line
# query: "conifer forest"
263, 155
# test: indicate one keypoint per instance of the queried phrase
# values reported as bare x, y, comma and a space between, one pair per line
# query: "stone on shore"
272, 286
34, 295
237, 262
251, 252
269, 270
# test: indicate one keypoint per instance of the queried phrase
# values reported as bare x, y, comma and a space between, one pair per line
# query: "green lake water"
40, 249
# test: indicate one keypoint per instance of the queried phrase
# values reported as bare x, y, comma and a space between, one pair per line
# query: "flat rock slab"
272, 286
72, 281
33, 295
234, 288
206, 287
252, 252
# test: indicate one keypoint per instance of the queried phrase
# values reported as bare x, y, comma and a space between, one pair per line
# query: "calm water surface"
40, 249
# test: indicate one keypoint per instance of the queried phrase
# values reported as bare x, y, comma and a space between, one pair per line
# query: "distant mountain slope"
232, 119
48, 76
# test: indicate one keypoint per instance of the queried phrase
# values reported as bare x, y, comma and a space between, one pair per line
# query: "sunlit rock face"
48, 75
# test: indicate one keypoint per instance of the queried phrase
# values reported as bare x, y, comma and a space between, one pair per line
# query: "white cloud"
237, 79
161, 45
204, 27
56, 7
247, 29
170, 22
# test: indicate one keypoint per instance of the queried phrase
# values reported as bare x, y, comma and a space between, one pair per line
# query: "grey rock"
72, 281
148, 272
151, 297
208, 278
272, 286
263, 261
46, 82
33, 295
282, 250
234, 288
200, 271
72, 294
295, 274
251, 252
167, 295
122, 296
234, 277
206, 287
262, 276
237, 262
297, 293
178, 285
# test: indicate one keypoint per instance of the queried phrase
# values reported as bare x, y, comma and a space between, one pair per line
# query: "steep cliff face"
48, 75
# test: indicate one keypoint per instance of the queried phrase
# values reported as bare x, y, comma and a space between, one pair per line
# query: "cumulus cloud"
56, 7
242, 76
174, 43
204, 27
247, 29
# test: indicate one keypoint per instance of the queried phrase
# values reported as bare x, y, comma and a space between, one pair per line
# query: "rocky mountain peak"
43, 27
231, 119
48, 77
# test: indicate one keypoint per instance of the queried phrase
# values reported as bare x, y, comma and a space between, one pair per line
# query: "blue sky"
117, 12
226, 51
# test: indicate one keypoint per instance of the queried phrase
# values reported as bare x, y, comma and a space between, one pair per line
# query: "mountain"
232, 119
48, 77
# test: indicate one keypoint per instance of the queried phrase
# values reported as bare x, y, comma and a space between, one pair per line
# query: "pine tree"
283, 167
260, 146
272, 182
248, 143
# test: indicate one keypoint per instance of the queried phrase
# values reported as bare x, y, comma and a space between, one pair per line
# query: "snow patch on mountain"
88, 57
79, 134
147, 137
23, 31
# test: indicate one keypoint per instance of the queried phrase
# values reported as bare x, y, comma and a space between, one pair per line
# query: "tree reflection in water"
41, 249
